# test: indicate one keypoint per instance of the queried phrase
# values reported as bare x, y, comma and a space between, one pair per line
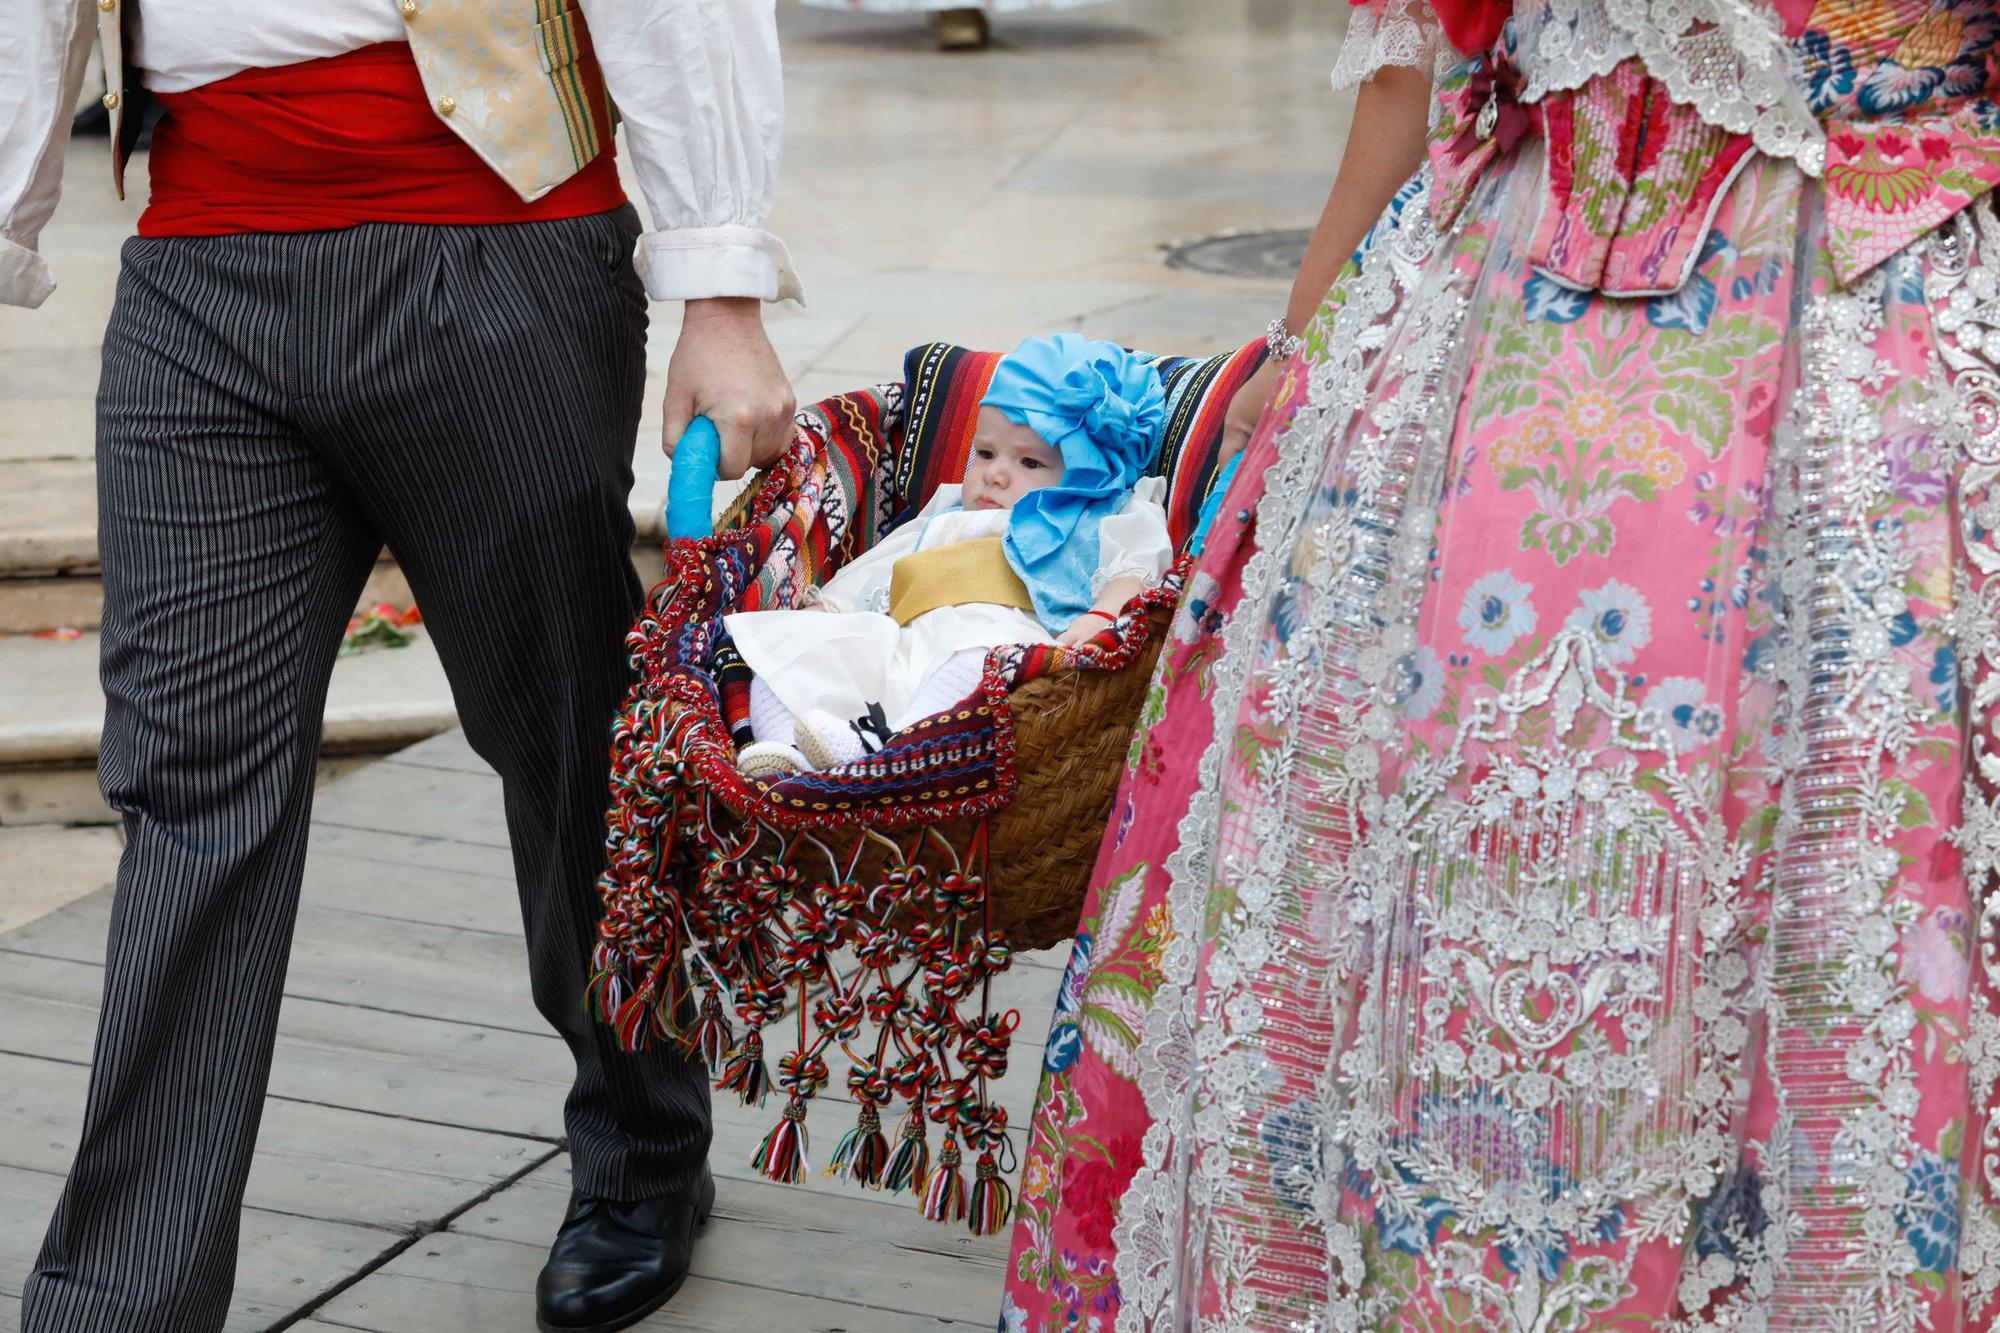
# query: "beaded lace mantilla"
1726, 58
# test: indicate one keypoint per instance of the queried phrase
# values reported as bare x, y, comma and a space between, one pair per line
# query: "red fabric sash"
331, 143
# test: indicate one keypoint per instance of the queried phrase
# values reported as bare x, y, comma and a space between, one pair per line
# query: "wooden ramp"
410, 1171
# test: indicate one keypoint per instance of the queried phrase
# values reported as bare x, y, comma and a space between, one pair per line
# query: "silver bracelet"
1281, 342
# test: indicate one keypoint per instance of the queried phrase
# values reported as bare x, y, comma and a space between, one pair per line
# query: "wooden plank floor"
410, 1170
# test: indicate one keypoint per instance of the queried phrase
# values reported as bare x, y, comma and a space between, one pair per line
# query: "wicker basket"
1072, 733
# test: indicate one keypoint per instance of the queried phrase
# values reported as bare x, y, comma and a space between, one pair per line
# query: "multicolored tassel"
944, 1196
606, 992
992, 1199
745, 1074
782, 1154
630, 1023
709, 1036
862, 1151
910, 1168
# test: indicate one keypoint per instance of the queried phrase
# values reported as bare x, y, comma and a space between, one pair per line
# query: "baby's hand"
1084, 628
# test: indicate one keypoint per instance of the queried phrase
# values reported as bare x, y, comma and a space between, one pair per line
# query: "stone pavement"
410, 1169
410, 1172
980, 198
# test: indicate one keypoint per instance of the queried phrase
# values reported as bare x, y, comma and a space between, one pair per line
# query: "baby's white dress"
844, 662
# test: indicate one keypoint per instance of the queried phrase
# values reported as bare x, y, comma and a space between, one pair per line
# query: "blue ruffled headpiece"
1100, 407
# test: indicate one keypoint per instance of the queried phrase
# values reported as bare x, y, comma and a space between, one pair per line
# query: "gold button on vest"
447, 104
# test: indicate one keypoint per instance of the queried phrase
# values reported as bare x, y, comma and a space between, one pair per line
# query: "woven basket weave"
1072, 733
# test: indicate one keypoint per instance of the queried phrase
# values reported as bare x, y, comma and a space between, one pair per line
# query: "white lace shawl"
1726, 58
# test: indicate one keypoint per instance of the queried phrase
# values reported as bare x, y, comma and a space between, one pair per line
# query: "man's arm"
699, 86
42, 61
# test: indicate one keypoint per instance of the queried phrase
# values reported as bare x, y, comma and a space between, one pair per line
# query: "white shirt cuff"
25, 277
696, 263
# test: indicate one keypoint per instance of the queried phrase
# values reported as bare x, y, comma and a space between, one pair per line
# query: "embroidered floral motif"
1616, 619
1534, 911
1497, 611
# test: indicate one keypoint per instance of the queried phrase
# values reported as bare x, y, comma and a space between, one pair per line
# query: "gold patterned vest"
515, 79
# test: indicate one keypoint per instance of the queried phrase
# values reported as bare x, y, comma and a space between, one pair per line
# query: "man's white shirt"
698, 85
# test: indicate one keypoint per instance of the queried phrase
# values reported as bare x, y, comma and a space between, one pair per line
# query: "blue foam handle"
1213, 504
691, 481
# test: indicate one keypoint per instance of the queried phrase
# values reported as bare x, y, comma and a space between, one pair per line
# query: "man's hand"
723, 368
1246, 409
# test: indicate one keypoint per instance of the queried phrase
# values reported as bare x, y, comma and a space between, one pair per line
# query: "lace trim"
1725, 58
1111, 573
1386, 33
1161, 1208
1963, 287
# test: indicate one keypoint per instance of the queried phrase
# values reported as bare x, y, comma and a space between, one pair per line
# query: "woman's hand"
1385, 146
1246, 409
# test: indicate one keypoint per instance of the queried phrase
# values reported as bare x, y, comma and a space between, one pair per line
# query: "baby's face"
1008, 460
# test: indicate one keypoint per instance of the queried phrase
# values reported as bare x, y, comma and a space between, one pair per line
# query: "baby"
1049, 536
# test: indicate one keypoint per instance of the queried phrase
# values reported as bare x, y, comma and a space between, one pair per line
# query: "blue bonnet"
1102, 408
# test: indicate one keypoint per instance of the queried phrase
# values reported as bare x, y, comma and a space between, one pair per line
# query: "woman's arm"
1384, 148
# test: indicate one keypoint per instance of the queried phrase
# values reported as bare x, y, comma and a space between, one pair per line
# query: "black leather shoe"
615, 1263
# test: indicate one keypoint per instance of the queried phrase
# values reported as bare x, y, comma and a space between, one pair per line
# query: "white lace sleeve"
1389, 32
1134, 542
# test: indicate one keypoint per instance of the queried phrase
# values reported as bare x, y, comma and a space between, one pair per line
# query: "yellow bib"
961, 574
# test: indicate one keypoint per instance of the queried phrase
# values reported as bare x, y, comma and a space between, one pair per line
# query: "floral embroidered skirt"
1575, 916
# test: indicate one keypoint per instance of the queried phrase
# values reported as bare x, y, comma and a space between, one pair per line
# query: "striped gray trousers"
274, 409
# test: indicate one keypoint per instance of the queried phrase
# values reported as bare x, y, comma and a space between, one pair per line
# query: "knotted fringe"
745, 1074
910, 1168
992, 1200
710, 1037
944, 1197
606, 991
782, 1155
863, 1151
